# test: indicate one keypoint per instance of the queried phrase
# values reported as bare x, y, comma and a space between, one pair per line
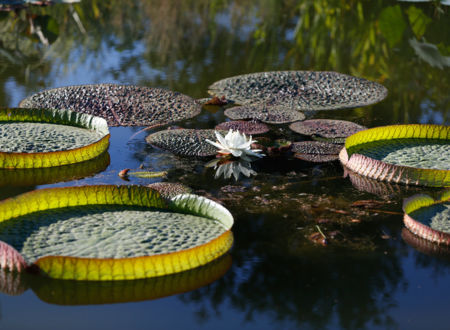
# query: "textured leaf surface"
301, 90
185, 142
114, 232
271, 114
247, 127
429, 218
326, 128
315, 151
411, 154
35, 138
120, 105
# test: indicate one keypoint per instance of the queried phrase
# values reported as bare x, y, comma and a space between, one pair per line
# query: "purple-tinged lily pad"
271, 114
315, 151
300, 90
185, 142
120, 105
248, 127
326, 128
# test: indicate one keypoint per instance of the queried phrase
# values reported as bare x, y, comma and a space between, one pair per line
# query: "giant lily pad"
333, 129
301, 90
429, 218
271, 114
410, 154
120, 105
185, 142
113, 232
34, 138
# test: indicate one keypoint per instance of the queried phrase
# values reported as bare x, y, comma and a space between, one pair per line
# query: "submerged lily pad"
326, 128
247, 127
315, 151
410, 154
429, 218
35, 138
113, 232
120, 105
185, 142
301, 90
271, 114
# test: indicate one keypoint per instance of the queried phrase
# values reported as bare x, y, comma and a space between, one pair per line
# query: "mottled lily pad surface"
170, 189
315, 151
106, 232
42, 137
326, 128
301, 90
120, 105
271, 114
185, 142
247, 127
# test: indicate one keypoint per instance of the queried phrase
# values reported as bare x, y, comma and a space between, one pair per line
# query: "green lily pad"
185, 142
113, 232
35, 138
120, 105
411, 154
429, 218
300, 90
271, 114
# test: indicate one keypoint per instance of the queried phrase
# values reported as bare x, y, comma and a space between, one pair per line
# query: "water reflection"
231, 168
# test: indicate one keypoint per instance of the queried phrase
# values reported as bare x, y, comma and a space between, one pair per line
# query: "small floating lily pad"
170, 189
410, 154
316, 151
429, 218
326, 128
271, 114
35, 138
185, 142
301, 90
247, 127
120, 105
113, 232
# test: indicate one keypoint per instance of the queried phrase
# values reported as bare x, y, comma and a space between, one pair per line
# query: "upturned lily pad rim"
417, 202
100, 269
16, 160
379, 170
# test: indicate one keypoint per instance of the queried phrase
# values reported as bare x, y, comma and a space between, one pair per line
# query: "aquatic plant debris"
184, 142
120, 105
36, 138
96, 232
270, 114
235, 144
409, 154
429, 218
300, 90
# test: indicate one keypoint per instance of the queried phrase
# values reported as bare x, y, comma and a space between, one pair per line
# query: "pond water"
278, 275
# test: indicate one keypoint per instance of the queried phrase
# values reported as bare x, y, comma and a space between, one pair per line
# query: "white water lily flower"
236, 144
